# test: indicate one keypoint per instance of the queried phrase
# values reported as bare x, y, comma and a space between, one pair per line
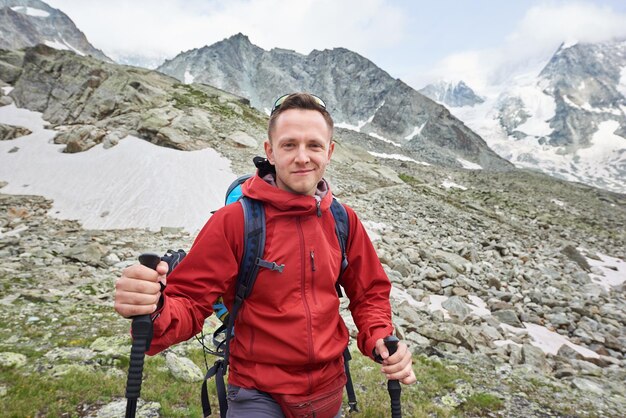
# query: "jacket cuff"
370, 344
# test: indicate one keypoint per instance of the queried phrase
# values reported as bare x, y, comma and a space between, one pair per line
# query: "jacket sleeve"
209, 270
367, 286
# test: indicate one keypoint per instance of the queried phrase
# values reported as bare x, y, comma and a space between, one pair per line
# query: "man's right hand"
138, 291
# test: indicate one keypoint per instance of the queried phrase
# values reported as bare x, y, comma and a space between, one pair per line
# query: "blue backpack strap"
342, 229
254, 245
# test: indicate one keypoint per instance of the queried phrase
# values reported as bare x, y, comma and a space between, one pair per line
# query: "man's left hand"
399, 366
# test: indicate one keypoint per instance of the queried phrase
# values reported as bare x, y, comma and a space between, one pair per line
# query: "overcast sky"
417, 41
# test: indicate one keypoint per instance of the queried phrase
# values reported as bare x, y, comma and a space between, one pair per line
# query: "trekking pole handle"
142, 336
393, 386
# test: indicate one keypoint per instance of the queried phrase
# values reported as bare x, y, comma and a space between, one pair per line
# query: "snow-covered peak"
452, 94
30, 11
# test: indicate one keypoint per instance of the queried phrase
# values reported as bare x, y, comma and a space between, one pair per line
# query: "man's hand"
138, 291
399, 366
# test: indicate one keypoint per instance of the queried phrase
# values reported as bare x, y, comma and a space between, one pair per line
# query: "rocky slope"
357, 92
30, 22
94, 102
502, 240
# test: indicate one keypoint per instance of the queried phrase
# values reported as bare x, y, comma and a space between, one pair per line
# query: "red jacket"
289, 336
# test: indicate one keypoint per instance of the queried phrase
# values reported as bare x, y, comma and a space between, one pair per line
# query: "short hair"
302, 101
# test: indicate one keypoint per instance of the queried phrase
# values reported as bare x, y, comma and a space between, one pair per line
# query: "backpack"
254, 245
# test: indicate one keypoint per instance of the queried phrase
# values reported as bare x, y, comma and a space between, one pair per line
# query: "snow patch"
7, 89
588, 108
541, 107
416, 131
375, 229
361, 123
548, 341
477, 306
30, 11
612, 270
401, 295
621, 87
399, 157
382, 138
468, 165
569, 43
558, 202
133, 185
188, 77
62, 45
604, 143
449, 185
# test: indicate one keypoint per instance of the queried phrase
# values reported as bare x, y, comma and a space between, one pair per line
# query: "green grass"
39, 394
481, 403
408, 179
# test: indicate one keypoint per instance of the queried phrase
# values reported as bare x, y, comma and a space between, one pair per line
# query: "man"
286, 357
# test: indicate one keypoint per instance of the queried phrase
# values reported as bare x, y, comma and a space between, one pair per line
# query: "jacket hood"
291, 204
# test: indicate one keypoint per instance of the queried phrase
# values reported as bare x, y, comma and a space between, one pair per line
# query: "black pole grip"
393, 386
142, 336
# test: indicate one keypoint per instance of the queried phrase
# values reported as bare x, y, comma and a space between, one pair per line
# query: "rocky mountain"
569, 120
452, 94
27, 23
359, 95
97, 102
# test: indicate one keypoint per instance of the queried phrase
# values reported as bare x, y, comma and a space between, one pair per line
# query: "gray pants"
251, 403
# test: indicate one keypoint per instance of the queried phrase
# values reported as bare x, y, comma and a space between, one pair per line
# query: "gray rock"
536, 358
573, 254
60, 370
116, 347
70, 354
8, 132
9, 359
117, 409
243, 139
438, 256
183, 368
80, 138
509, 317
91, 253
456, 307
587, 386
447, 282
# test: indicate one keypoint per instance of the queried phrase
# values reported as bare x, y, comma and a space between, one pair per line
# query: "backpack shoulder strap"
342, 229
254, 244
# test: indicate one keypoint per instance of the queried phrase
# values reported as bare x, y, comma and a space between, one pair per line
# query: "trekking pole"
142, 336
393, 386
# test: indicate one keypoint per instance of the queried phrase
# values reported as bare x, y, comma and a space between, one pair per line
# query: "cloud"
531, 43
165, 28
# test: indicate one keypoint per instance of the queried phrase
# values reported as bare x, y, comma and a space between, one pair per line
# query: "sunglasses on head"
282, 99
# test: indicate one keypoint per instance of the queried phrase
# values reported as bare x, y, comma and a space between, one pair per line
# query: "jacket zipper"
312, 254
307, 310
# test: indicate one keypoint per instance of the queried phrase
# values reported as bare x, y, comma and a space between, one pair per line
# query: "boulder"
9, 359
183, 368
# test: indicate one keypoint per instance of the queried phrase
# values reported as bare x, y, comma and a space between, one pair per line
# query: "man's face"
300, 149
